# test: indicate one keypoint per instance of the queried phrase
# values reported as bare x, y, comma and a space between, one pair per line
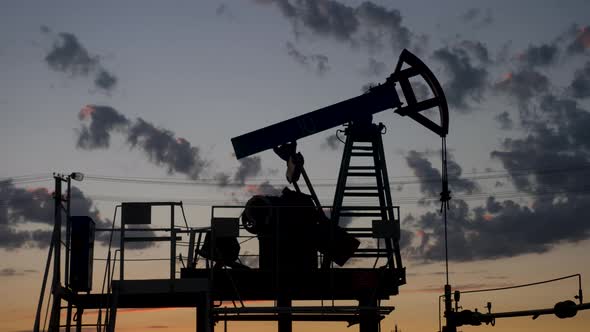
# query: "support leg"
204, 323
285, 320
369, 319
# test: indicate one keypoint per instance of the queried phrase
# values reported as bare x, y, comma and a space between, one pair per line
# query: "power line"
416, 180
408, 200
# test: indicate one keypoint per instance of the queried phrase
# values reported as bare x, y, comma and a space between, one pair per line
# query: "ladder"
364, 143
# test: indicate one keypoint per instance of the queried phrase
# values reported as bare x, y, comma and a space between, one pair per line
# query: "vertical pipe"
68, 230
68, 251
191, 249
172, 245
285, 320
122, 249
56, 284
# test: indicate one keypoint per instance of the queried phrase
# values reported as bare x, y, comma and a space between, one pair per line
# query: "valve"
565, 309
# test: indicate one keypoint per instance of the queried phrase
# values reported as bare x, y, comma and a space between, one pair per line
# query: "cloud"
511, 230
556, 213
249, 167
319, 63
477, 17
34, 206
580, 86
504, 120
103, 120
105, 80
522, 85
557, 139
430, 177
477, 49
467, 82
69, 56
539, 56
164, 149
368, 24
160, 145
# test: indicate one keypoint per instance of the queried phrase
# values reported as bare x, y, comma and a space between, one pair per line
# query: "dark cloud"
477, 49
539, 56
505, 120
369, 24
103, 121
510, 230
161, 146
164, 149
374, 68
580, 86
430, 177
69, 56
34, 206
319, 63
477, 17
389, 20
105, 80
467, 82
249, 167
556, 213
423, 169
523, 85
330, 142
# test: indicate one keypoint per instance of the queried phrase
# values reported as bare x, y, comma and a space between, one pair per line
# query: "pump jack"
363, 140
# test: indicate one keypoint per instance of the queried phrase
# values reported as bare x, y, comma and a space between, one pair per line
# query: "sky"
143, 97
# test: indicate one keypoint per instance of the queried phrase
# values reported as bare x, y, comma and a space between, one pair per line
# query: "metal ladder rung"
363, 208
359, 214
361, 154
361, 174
362, 167
362, 188
363, 148
357, 194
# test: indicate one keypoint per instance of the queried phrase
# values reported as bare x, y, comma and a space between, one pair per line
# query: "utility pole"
54, 321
